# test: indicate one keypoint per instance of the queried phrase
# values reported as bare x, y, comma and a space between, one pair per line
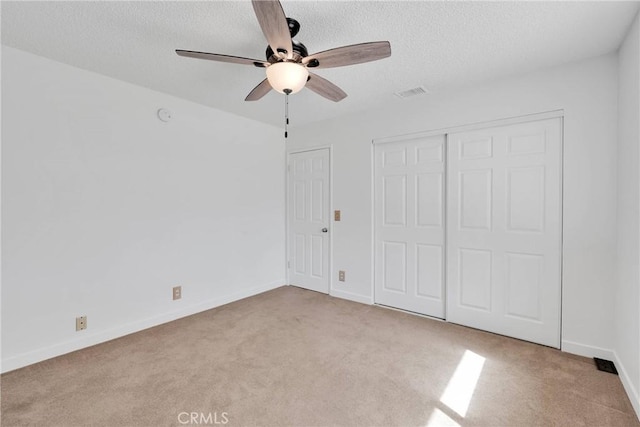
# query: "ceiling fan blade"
324, 87
349, 55
259, 91
274, 25
222, 58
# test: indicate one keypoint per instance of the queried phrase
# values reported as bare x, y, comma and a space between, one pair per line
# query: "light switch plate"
336, 215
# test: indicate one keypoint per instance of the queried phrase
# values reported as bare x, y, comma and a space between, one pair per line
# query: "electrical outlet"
81, 323
341, 275
177, 292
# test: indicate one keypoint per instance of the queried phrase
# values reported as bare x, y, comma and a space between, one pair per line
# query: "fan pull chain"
286, 112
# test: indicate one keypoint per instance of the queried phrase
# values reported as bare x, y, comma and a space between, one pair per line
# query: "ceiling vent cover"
420, 90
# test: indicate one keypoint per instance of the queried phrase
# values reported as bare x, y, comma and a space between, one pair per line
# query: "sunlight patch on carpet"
440, 419
462, 384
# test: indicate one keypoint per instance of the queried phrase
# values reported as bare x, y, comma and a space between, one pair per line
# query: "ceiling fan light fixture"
287, 59
287, 76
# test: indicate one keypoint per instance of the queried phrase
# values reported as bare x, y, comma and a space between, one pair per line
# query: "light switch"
336, 215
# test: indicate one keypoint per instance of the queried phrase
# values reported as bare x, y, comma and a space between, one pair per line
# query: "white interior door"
504, 230
308, 213
409, 225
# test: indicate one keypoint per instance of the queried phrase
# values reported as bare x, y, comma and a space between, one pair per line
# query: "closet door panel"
504, 230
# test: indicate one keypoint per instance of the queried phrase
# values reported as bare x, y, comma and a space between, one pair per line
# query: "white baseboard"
586, 350
602, 353
634, 397
25, 359
351, 296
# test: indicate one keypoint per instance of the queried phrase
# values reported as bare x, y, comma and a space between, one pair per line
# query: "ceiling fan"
287, 61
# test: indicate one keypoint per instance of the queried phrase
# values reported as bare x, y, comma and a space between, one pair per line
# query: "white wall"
587, 91
105, 208
627, 308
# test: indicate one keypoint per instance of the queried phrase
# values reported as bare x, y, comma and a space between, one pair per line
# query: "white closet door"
504, 230
409, 225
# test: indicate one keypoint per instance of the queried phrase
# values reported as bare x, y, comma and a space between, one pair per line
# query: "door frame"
287, 223
463, 128
473, 126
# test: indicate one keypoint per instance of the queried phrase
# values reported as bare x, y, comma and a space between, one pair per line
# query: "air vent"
605, 365
420, 90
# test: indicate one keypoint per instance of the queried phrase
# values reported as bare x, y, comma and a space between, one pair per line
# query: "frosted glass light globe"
287, 75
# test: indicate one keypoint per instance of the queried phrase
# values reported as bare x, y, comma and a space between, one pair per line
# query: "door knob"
324, 230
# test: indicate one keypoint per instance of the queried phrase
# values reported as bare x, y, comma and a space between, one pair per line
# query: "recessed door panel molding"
299, 251
394, 260
475, 272
429, 270
317, 256
523, 282
318, 164
394, 195
429, 199
525, 199
308, 219
409, 196
476, 194
503, 258
527, 144
429, 153
475, 148
394, 158
318, 205
300, 207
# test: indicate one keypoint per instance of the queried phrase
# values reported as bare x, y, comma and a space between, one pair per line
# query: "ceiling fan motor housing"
294, 26
299, 50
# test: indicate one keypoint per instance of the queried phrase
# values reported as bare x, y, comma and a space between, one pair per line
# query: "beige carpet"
296, 357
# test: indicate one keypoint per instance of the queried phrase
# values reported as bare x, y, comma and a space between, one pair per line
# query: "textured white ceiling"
438, 45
